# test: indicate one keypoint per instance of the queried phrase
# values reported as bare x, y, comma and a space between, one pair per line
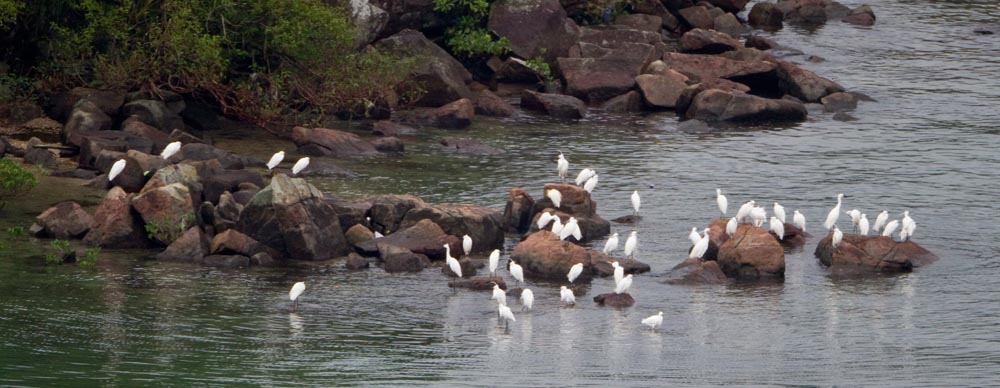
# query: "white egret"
506, 315
494, 262
557, 226
908, 226
555, 196
778, 228
453, 264
907, 221
890, 228
574, 272
294, 293
618, 272
744, 211
378, 235
855, 215
624, 285
275, 160
880, 220
699, 249
834, 214
799, 220
116, 169
527, 299
838, 236
653, 321
572, 228
779, 211
498, 294
731, 226
611, 245
466, 244
300, 165
170, 150
863, 225
694, 236
721, 201
590, 184
758, 215
517, 272
903, 235
544, 219
584, 175
566, 295
636, 202
631, 243
562, 166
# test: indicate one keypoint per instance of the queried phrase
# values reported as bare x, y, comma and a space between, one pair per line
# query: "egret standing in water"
779, 211
611, 245
838, 236
300, 165
574, 272
631, 244
294, 293
170, 150
653, 321
890, 228
636, 202
590, 184
566, 295
498, 294
731, 226
466, 244
618, 272
116, 169
744, 211
799, 220
527, 299
555, 196
880, 221
721, 201
494, 262
778, 228
517, 272
506, 315
624, 285
863, 225
834, 214
453, 264
562, 166
699, 249
584, 175
275, 160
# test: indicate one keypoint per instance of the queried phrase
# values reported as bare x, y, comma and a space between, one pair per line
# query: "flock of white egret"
172, 148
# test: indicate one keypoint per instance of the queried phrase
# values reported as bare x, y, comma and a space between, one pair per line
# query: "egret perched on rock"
855, 215
758, 215
890, 228
294, 293
572, 228
618, 272
731, 226
116, 169
744, 211
574, 272
694, 236
584, 175
880, 221
494, 262
779, 211
562, 166
300, 165
275, 160
453, 264
653, 321
799, 220
170, 150
636, 202
838, 236
721, 201
466, 244
778, 228
566, 295
527, 299
624, 285
631, 243
555, 196
611, 245
590, 184
557, 226
908, 226
498, 294
517, 272
699, 249
378, 235
544, 219
863, 225
834, 214
506, 315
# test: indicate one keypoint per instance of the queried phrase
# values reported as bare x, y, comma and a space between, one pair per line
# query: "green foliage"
15, 231
466, 34
168, 229
8, 12
541, 67
90, 257
15, 180
60, 249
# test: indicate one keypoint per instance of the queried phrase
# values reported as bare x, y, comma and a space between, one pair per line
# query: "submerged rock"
805, 84
720, 105
355, 262
861, 254
615, 300
330, 142
695, 271
399, 259
483, 283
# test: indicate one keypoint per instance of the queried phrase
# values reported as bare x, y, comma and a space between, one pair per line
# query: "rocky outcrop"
387, 211
858, 254
610, 74
484, 225
456, 115
442, 78
575, 200
720, 105
166, 211
661, 90
544, 256
517, 212
155, 113
534, 27
555, 105
116, 224
804, 84
702, 41
64, 221
695, 271
425, 238
751, 254
330, 142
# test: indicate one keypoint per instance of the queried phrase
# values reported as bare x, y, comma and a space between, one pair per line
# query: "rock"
466, 145
116, 224
861, 16
442, 78
765, 15
661, 91
640, 22
514, 70
202, 152
226, 261
555, 105
228, 209
629, 219
484, 225
354, 262
864, 254
399, 259
291, 217
752, 253
173, 101
185, 138
415, 14
349, 213
217, 183
805, 84
844, 116
625, 103
517, 213
489, 104
694, 271
41, 157
191, 247
40, 127
60, 105
611, 74
697, 17
167, 211
478, 284
760, 42
425, 238
155, 113
76, 173
575, 200
615, 300
534, 27
468, 268
591, 227
388, 210
85, 117
701, 41
389, 128
455, 115
64, 221
146, 161
793, 238
615, 38
544, 256
838, 102
719, 105
368, 19
733, 6
331, 142
184, 174
707, 67
804, 11
233, 242
358, 234
135, 126
388, 144
728, 24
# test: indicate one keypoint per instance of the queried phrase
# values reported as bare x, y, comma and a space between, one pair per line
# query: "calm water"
929, 146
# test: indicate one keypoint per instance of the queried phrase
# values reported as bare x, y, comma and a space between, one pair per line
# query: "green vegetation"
466, 35
60, 250
259, 60
167, 230
541, 67
15, 180
90, 257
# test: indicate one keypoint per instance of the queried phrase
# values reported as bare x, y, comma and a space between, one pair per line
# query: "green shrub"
466, 34
60, 249
15, 180
90, 257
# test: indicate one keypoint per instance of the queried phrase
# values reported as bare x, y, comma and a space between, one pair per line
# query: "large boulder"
661, 90
695, 271
592, 227
442, 78
628, 102
85, 116
330, 142
482, 224
708, 67
167, 211
203, 152
720, 105
116, 224
534, 27
457, 114
134, 126
765, 15
190, 247
425, 238
350, 213
859, 254
613, 38
233, 242
517, 212
804, 84
752, 253
642, 22
730, 5
728, 23
155, 113
555, 105
702, 41
697, 17
60, 105
575, 200
412, 14
387, 211
291, 217
398, 259
489, 104
358, 234
544, 256
219, 182
610, 74
64, 221
369, 20
177, 173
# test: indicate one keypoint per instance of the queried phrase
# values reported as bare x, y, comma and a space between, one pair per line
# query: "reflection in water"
296, 324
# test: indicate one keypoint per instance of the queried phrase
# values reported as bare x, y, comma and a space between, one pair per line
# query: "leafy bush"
15, 180
466, 34
60, 250
90, 257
